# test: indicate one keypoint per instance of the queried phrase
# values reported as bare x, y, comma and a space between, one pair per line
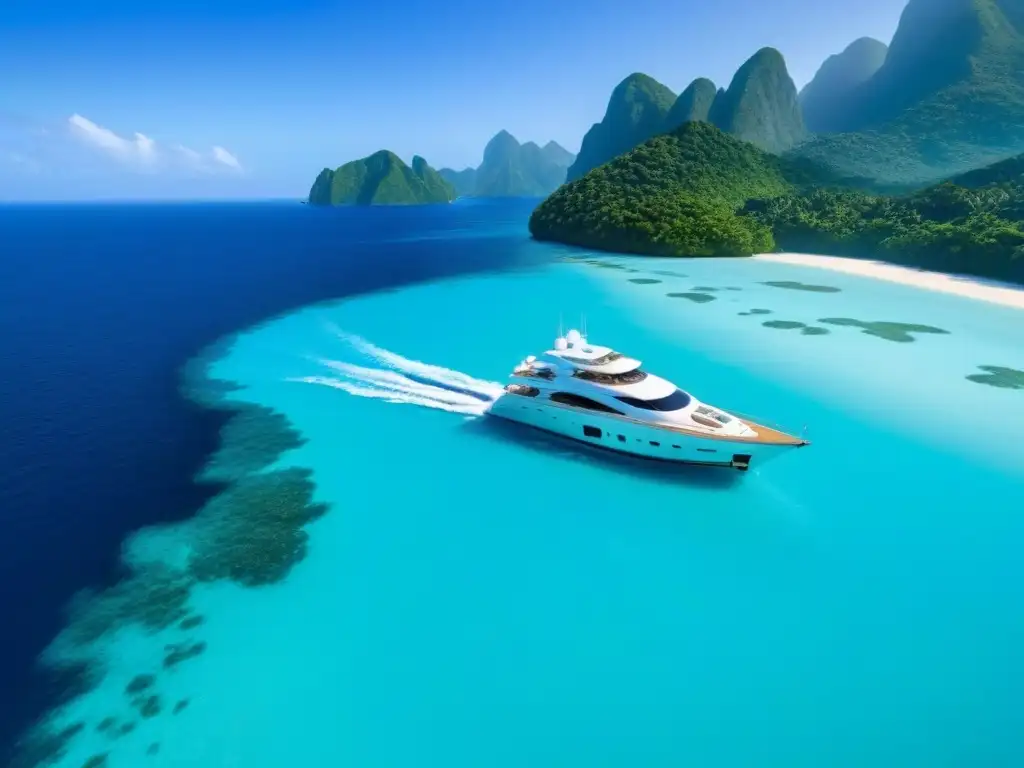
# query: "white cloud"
195, 161
144, 152
188, 154
224, 157
146, 148
141, 149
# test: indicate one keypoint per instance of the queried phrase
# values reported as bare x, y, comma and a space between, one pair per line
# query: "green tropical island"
381, 179
509, 169
912, 153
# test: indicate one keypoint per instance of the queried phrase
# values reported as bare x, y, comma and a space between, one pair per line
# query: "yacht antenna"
584, 325
559, 325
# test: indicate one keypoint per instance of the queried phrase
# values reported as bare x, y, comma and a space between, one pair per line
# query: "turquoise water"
479, 594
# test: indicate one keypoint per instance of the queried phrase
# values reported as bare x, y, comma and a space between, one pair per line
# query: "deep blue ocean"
381, 575
100, 306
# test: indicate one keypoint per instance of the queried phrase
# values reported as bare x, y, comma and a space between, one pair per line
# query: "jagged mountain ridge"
760, 105
511, 169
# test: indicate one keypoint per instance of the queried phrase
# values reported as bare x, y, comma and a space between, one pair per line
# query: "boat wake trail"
398, 379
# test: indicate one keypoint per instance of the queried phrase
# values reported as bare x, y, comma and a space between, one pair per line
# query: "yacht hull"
635, 438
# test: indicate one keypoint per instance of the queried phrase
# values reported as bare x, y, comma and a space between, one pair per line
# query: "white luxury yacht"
603, 398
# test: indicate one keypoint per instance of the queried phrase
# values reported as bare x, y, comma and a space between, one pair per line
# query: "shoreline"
964, 286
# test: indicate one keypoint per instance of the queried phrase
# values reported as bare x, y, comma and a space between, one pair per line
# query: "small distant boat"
598, 396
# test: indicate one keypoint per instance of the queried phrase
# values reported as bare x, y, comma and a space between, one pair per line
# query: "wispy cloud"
206, 162
141, 149
189, 155
225, 158
142, 152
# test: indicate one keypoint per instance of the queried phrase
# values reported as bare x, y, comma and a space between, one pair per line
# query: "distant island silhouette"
911, 153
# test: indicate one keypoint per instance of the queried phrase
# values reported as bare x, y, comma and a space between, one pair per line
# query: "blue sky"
250, 98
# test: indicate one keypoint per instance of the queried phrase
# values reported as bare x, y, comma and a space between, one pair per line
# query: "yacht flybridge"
599, 396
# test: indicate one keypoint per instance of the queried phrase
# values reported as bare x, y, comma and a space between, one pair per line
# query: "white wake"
415, 367
402, 380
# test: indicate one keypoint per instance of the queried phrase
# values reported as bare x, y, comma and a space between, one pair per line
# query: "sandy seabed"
959, 285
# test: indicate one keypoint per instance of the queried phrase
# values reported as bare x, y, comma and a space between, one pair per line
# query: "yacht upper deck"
574, 349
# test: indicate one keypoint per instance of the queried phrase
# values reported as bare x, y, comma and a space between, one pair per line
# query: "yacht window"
613, 379
540, 373
522, 389
567, 398
673, 402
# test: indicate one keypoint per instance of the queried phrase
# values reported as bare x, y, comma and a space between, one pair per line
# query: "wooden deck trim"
771, 436
765, 435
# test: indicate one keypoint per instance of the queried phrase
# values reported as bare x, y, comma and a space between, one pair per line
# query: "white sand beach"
959, 285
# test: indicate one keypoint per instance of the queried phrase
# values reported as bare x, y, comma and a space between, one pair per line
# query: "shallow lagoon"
479, 594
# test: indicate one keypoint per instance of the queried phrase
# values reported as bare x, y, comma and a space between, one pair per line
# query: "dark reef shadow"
796, 285
784, 325
696, 298
998, 376
644, 280
899, 332
793, 325
250, 531
597, 263
534, 439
